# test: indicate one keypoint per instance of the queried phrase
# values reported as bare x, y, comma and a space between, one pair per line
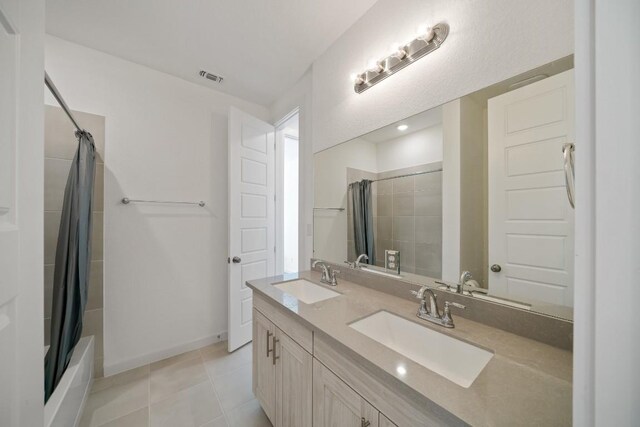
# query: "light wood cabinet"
293, 383
264, 372
282, 375
337, 404
295, 389
386, 422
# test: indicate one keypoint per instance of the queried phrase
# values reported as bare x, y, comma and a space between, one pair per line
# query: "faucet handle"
419, 294
446, 319
447, 304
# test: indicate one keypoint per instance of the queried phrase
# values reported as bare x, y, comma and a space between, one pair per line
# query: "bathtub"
65, 406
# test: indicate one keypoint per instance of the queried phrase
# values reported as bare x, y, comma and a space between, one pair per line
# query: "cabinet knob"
236, 259
496, 268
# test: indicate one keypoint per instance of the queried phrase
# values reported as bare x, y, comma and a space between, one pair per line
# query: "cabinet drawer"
285, 322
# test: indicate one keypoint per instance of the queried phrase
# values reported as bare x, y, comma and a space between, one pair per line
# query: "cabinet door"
386, 422
294, 378
264, 369
337, 404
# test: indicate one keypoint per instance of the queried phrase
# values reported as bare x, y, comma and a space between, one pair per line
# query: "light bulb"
402, 128
398, 51
425, 33
376, 66
356, 78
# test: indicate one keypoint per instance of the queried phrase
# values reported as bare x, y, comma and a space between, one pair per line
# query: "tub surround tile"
403, 204
430, 183
428, 204
98, 189
404, 228
56, 172
403, 185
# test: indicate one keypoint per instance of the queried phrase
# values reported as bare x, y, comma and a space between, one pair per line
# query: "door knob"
496, 268
236, 259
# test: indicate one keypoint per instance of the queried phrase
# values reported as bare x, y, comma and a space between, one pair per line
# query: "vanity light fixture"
428, 40
402, 128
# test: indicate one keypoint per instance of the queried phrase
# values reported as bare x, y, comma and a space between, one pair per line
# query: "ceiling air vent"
213, 77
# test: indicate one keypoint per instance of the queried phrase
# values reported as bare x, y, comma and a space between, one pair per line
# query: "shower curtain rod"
58, 97
406, 175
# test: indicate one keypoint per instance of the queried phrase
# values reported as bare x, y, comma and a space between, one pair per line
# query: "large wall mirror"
482, 184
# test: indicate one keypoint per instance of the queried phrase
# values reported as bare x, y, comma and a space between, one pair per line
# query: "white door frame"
606, 373
21, 227
279, 153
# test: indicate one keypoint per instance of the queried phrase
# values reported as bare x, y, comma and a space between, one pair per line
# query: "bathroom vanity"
352, 356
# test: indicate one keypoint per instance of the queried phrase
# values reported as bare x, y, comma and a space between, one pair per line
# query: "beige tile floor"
202, 388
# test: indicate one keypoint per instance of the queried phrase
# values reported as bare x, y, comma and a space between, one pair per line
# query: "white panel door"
531, 224
9, 231
251, 216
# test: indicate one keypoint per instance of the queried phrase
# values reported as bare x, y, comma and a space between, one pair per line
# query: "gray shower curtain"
362, 208
73, 258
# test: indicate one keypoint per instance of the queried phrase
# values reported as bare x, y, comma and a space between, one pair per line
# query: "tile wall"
407, 217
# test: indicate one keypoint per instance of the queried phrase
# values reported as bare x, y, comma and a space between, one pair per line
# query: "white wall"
490, 41
416, 148
330, 168
165, 272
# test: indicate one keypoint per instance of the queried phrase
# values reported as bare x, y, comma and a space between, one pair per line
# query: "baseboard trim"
136, 362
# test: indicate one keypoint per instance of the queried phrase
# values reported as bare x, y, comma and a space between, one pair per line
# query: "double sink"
456, 360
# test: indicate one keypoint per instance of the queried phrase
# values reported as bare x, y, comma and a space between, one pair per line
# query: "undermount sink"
306, 291
455, 360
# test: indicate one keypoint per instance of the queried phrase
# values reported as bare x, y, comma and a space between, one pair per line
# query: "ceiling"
414, 123
260, 47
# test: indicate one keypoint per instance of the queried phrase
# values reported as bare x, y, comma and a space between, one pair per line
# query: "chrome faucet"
328, 274
464, 278
430, 311
356, 265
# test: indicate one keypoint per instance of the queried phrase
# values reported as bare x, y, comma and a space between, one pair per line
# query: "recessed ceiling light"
403, 127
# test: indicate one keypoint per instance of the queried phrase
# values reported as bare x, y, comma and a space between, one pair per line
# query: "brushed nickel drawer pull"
364, 423
268, 349
275, 341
